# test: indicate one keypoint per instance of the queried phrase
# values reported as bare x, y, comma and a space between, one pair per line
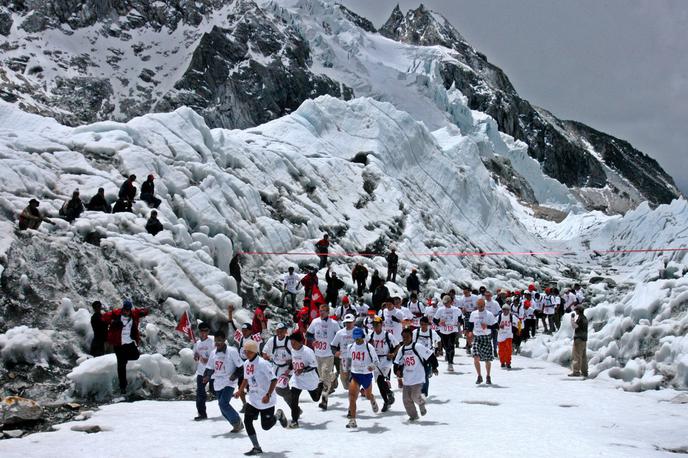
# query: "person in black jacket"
128, 191
322, 248
99, 203
99, 330
412, 282
235, 270
380, 295
579, 355
375, 281
72, 208
148, 192
392, 264
122, 206
153, 226
334, 284
359, 275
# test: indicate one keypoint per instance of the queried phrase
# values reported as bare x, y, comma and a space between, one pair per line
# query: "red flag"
184, 326
317, 297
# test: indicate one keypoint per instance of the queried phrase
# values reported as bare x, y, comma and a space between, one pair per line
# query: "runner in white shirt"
201, 351
447, 318
305, 376
344, 308
224, 364
417, 309
385, 345
494, 308
518, 311
340, 345
277, 350
321, 332
569, 301
467, 304
548, 309
364, 361
409, 366
529, 318
482, 321
429, 338
260, 380
361, 307
391, 319
578, 291
506, 321
291, 284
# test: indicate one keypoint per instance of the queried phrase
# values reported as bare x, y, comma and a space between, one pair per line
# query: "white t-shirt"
363, 358
301, 359
361, 309
259, 375
291, 282
224, 364
417, 308
580, 296
493, 307
279, 352
550, 305
342, 340
448, 318
428, 338
569, 300
323, 332
406, 313
414, 372
479, 318
127, 322
391, 321
467, 304
203, 349
506, 324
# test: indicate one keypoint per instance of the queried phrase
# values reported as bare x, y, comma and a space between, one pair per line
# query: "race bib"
448, 328
283, 381
409, 360
320, 345
237, 336
257, 338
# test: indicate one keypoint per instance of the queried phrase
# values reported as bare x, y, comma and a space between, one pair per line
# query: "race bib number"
283, 381
448, 328
250, 369
298, 365
237, 336
219, 365
320, 345
358, 356
257, 338
409, 360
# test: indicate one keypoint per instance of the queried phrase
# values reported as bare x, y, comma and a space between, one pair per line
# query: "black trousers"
124, 354
267, 418
448, 343
294, 399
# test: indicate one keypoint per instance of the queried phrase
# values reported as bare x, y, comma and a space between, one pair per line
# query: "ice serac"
558, 145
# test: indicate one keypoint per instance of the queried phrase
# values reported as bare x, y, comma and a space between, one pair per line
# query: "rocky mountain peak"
421, 27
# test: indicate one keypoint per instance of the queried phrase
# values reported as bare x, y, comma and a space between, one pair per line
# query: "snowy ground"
535, 410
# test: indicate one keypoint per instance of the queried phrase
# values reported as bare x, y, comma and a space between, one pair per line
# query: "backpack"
415, 341
389, 342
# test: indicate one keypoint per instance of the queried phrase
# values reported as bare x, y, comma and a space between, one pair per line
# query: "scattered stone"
13, 433
88, 429
73, 406
17, 410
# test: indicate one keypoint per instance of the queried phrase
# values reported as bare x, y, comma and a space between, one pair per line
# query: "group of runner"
362, 347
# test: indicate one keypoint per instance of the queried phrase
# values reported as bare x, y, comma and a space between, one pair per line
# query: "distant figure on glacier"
148, 192
99, 330
334, 284
413, 282
123, 335
31, 217
235, 271
309, 281
99, 203
322, 248
291, 283
579, 354
72, 208
128, 191
153, 225
359, 275
392, 265
578, 291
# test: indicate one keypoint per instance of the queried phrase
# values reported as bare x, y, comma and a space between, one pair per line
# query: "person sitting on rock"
72, 208
99, 203
153, 226
128, 191
148, 192
122, 206
31, 218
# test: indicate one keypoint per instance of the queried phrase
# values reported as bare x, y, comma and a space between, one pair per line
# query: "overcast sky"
620, 66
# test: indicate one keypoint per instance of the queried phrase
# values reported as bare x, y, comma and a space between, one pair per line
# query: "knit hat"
251, 345
127, 305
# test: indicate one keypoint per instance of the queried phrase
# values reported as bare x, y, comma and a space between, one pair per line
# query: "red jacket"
114, 334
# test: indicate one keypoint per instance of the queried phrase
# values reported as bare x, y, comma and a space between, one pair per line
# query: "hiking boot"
237, 427
323, 404
390, 398
479, 380
574, 374
254, 451
293, 425
333, 386
423, 409
488, 380
373, 403
385, 406
281, 418
508, 366
503, 364
413, 419
200, 418
352, 423
450, 367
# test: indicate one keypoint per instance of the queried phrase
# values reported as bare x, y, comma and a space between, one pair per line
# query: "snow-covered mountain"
408, 162
242, 63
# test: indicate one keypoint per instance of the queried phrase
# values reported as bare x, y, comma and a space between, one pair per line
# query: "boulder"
16, 410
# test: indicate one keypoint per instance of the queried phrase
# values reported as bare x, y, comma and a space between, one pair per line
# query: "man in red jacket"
123, 335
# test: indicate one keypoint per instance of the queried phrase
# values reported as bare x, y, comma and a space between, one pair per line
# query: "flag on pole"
317, 297
184, 326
